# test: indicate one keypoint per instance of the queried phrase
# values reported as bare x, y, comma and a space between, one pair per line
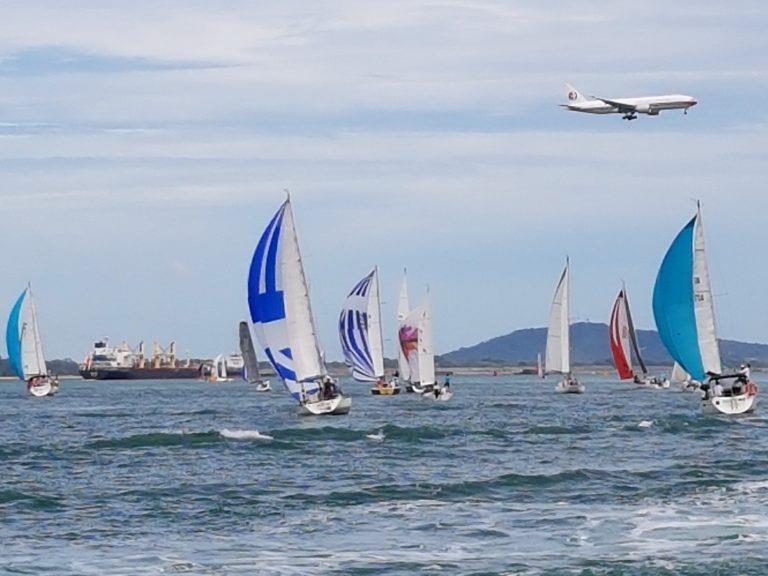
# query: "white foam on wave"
378, 437
645, 424
244, 435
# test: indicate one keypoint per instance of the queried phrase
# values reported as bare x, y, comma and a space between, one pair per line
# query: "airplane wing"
619, 105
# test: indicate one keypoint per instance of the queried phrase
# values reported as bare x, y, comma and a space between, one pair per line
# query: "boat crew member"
718, 389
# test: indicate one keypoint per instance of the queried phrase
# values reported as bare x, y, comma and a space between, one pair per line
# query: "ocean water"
506, 478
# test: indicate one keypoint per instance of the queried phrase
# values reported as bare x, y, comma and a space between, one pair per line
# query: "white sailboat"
281, 313
680, 376
361, 338
415, 336
219, 369
558, 351
25, 348
685, 318
403, 308
251, 371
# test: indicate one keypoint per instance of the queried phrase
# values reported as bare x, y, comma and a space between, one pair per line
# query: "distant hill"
66, 367
589, 345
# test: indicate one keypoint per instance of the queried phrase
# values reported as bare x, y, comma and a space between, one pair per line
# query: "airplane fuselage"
650, 105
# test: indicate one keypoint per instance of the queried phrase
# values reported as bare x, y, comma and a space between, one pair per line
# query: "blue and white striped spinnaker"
278, 300
683, 306
360, 330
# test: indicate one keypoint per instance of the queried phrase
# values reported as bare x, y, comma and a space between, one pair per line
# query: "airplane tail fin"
574, 96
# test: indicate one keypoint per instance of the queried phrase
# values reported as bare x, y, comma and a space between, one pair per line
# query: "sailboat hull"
42, 389
334, 406
570, 388
385, 390
264, 386
730, 405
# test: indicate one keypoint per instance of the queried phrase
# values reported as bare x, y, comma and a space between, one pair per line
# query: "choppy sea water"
506, 478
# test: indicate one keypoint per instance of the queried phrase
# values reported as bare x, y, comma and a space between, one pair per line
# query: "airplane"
629, 107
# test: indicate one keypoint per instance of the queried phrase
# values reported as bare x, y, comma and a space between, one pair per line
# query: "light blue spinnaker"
278, 300
682, 304
13, 337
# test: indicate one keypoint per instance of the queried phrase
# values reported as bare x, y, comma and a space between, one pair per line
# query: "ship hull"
140, 373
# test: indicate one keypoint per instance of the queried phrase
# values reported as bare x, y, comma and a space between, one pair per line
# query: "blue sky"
144, 146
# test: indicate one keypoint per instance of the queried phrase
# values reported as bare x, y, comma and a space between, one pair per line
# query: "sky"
145, 145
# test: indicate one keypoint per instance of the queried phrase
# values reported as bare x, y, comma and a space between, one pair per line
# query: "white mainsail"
558, 357
703, 304
33, 361
426, 353
403, 308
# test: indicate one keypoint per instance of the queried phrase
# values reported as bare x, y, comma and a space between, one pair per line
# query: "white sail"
220, 367
33, 361
703, 305
403, 308
539, 366
558, 357
307, 358
376, 340
426, 352
360, 330
679, 374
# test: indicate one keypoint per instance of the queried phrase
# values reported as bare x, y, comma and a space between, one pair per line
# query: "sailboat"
278, 299
25, 349
219, 370
360, 335
685, 318
623, 341
680, 376
403, 308
250, 361
539, 366
558, 351
415, 337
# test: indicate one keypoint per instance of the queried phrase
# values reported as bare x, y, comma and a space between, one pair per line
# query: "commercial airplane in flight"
629, 107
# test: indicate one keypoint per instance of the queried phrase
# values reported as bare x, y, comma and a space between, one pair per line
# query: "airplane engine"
646, 109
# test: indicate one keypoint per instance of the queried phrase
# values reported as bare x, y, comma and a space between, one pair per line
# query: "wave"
244, 435
157, 439
34, 501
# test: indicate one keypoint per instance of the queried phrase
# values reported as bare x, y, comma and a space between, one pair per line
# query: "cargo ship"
123, 363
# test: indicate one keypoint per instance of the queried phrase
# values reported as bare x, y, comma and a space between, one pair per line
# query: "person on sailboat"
718, 389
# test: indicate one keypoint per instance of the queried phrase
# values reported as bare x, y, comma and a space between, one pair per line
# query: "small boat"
219, 370
558, 351
623, 342
281, 313
361, 337
25, 349
250, 361
684, 312
539, 366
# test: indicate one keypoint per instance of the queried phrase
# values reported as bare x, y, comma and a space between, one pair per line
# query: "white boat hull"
339, 405
570, 388
419, 389
40, 390
730, 405
264, 386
